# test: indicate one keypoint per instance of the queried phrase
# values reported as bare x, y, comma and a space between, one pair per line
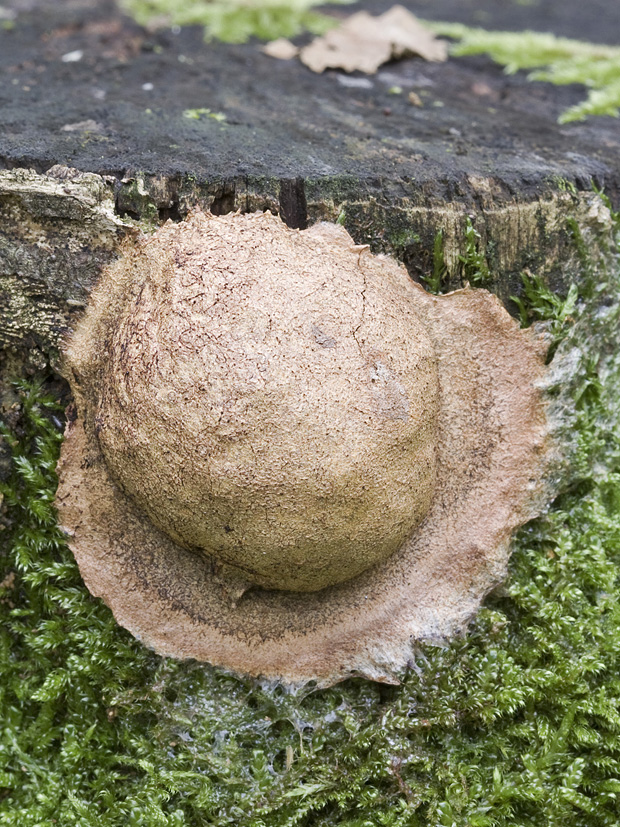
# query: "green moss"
435, 279
475, 269
518, 723
197, 114
235, 21
564, 185
554, 59
402, 237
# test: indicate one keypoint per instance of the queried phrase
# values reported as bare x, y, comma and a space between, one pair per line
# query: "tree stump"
107, 126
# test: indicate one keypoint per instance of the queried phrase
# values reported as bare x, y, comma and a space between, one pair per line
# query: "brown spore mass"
272, 406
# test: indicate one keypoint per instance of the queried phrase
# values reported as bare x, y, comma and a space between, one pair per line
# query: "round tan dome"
263, 406
277, 413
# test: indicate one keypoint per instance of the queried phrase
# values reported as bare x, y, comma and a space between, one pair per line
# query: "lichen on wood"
56, 232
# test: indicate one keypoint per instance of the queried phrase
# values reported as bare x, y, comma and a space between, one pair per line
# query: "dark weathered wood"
283, 122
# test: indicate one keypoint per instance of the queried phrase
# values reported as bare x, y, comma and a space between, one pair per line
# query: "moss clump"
516, 724
475, 269
554, 59
235, 21
198, 114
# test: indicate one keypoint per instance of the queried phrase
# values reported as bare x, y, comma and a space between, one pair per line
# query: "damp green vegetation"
517, 723
473, 266
554, 59
203, 112
235, 21
475, 269
564, 185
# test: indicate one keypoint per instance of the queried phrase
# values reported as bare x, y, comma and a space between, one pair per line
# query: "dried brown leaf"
281, 49
363, 43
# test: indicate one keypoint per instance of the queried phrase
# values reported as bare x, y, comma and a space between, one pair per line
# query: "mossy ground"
518, 723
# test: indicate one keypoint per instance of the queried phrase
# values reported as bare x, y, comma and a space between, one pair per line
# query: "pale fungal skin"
265, 405
287, 408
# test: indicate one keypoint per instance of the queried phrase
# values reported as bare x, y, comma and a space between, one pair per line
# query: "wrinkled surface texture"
274, 406
332, 383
